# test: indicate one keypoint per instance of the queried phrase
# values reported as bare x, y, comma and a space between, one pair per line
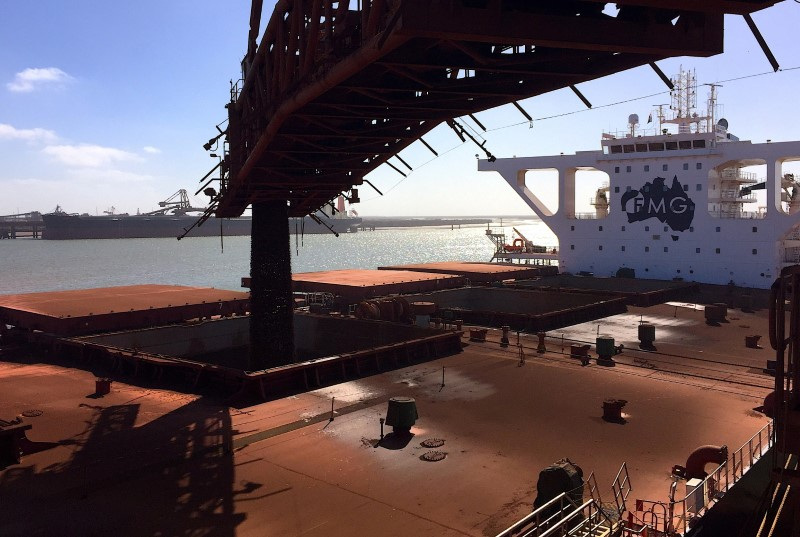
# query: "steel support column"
271, 326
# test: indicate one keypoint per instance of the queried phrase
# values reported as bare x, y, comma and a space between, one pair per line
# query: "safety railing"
675, 517
586, 216
562, 516
736, 174
791, 255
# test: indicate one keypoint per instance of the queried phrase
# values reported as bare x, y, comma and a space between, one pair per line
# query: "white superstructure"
676, 205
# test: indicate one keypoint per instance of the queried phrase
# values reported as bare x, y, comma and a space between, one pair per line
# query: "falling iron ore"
432, 442
32, 413
434, 456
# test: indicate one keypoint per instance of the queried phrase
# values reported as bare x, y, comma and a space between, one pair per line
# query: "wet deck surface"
192, 465
477, 272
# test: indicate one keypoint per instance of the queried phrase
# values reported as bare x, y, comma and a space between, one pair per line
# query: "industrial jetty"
176, 218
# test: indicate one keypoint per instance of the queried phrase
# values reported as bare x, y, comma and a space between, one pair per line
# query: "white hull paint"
746, 248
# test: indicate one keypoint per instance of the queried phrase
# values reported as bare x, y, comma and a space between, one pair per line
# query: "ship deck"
189, 463
354, 285
85, 311
478, 272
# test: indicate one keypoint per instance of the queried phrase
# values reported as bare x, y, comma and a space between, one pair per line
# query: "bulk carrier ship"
676, 205
174, 218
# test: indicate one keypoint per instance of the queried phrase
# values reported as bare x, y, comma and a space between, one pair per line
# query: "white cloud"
99, 177
8, 132
152, 150
33, 78
88, 156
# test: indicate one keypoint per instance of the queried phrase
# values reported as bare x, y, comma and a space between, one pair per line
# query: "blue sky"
109, 103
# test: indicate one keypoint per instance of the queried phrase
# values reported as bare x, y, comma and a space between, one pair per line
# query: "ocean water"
28, 266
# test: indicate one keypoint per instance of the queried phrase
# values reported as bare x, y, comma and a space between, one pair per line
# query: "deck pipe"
271, 311
697, 460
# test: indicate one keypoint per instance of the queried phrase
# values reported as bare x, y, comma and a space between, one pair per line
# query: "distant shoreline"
431, 221
384, 222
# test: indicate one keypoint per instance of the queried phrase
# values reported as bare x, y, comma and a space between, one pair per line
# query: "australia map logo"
670, 205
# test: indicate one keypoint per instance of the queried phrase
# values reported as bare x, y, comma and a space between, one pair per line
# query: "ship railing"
677, 517
735, 195
562, 516
585, 216
791, 256
742, 215
735, 174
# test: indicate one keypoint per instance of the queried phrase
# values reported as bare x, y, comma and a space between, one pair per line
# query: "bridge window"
685, 144
641, 148
671, 146
699, 144
658, 146
615, 149
628, 148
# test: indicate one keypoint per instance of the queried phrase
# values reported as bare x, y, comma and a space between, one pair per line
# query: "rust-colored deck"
354, 285
479, 272
285, 468
116, 308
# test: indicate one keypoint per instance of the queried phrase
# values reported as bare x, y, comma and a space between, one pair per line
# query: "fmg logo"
655, 200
